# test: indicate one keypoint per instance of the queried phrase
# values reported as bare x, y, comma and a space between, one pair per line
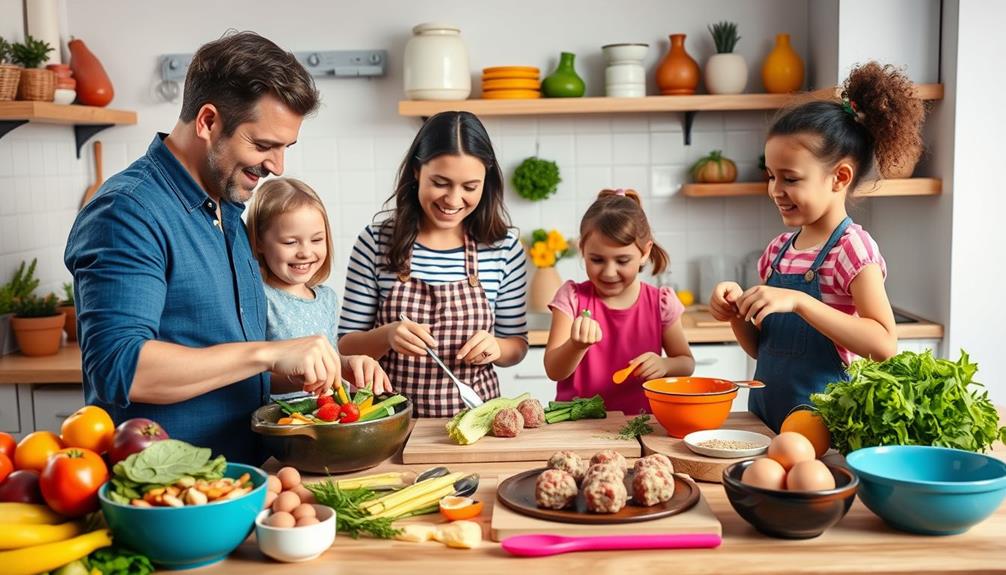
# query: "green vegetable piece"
472, 425
165, 462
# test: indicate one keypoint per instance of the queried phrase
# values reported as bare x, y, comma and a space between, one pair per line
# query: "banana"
28, 514
16, 536
48, 556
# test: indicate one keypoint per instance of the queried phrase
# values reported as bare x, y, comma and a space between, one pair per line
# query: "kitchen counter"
860, 543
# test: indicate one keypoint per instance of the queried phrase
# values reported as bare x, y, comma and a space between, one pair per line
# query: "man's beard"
227, 185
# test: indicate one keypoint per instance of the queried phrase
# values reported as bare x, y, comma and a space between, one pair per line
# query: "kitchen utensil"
694, 442
542, 545
750, 384
98, 178
518, 493
298, 544
686, 404
468, 395
621, 375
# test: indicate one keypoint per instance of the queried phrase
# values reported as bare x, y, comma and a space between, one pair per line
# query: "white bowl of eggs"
790, 493
292, 527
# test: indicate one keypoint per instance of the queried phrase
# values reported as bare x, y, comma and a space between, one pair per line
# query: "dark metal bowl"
332, 448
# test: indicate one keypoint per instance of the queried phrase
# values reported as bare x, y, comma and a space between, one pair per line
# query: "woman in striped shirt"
443, 271
823, 300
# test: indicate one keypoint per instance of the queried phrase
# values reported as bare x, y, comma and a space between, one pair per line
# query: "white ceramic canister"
625, 76
436, 64
726, 74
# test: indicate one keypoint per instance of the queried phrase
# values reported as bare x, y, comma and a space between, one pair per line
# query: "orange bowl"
686, 404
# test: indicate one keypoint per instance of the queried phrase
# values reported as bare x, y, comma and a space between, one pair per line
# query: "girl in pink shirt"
613, 319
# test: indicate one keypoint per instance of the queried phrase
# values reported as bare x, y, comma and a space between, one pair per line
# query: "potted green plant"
725, 72
66, 306
20, 286
536, 179
10, 74
36, 84
38, 325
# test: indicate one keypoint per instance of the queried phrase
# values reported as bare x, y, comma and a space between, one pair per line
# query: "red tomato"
89, 427
36, 447
71, 479
7, 445
349, 413
6, 466
325, 400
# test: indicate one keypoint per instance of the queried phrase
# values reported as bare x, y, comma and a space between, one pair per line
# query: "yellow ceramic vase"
782, 71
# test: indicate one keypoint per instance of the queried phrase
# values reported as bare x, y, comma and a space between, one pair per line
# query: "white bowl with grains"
727, 443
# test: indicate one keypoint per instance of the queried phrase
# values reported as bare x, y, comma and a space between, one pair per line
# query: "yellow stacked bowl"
511, 83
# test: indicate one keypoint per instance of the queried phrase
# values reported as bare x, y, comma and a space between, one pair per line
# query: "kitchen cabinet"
51, 404
10, 417
724, 361
527, 376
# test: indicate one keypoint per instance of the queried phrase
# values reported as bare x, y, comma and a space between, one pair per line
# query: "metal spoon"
469, 396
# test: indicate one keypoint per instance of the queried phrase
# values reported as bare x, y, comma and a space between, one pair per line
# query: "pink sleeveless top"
626, 334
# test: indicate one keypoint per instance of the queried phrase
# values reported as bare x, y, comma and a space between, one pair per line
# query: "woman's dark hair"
877, 123
447, 133
234, 72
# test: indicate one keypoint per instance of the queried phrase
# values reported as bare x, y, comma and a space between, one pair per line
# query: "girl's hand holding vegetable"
723, 301
480, 349
585, 332
760, 301
365, 372
410, 338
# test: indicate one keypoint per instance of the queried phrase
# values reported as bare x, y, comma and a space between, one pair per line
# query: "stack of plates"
511, 83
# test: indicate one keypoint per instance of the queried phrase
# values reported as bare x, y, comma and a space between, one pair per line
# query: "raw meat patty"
554, 489
652, 485
605, 494
534, 414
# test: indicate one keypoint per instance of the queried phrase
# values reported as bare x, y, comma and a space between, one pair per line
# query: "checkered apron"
456, 311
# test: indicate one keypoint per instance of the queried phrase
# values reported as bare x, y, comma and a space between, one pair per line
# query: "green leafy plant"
724, 36
536, 179
67, 294
909, 399
639, 425
35, 306
22, 285
31, 53
5, 51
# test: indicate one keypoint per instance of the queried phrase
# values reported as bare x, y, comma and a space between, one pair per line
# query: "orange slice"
457, 508
510, 84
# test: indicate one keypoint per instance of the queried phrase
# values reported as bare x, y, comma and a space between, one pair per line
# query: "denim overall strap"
794, 359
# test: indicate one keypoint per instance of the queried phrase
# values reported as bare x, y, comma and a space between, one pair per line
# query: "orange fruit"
34, 450
809, 424
89, 427
455, 508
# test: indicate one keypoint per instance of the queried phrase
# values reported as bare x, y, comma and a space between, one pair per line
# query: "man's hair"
234, 72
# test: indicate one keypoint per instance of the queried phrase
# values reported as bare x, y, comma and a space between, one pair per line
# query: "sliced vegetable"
470, 425
374, 411
340, 394
411, 493
390, 480
41, 558
455, 508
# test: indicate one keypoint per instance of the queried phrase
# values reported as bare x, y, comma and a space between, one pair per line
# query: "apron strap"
774, 268
832, 240
471, 261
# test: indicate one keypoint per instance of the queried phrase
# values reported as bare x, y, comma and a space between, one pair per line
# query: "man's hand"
309, 361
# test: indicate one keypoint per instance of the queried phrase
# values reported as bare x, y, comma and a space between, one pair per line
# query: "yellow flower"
541, 256
556, 242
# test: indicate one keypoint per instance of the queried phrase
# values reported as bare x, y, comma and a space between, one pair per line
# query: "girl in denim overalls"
823, 300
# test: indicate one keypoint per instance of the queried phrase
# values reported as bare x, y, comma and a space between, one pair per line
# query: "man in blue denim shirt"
169, 297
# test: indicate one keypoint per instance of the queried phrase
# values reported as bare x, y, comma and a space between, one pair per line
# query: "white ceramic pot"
436, 64
627, 53
726, 74
625, 74
64, 96
625, 90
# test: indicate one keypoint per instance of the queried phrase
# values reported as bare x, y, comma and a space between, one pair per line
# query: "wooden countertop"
859, 543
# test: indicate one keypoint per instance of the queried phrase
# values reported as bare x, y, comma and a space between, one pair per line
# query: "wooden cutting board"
429, 442
698, 519
701, 467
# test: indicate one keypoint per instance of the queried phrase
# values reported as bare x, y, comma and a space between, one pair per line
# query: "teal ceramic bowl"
191, 536
929, 490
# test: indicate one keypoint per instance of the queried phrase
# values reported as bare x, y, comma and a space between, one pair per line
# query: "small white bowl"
64, 96
295, 544
692, 441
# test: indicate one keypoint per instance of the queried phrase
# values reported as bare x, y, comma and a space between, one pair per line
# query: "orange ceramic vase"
678, 73
782, 71
93, 86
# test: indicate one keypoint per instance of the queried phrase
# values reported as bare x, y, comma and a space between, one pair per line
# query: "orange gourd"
93, 86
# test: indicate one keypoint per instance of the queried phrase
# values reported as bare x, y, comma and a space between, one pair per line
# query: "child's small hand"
649, 366
723, 301
409, 337
365, 372
585, 332
482, 348
760, 301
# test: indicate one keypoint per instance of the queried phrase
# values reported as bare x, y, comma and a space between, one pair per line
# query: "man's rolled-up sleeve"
117, 254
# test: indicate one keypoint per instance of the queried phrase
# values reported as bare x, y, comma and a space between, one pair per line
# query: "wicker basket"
9, 78
37, 85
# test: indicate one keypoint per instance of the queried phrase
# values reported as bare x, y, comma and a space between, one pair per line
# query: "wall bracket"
83, 132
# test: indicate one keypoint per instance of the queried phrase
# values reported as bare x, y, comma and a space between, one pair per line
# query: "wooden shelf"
883, 188
699, 103
86, 120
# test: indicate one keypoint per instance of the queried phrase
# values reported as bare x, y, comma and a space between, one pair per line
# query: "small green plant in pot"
536, 179
66, 306
38, 325
22, 285
36, 84
725, 72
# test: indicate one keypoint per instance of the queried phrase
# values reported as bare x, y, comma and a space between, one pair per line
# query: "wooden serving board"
698, 519
429, 442
701, 467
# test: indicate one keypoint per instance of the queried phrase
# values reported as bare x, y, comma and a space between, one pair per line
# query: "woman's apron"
456, 311
794, 359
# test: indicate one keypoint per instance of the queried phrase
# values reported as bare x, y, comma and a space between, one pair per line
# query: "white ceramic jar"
625, 76
436, 64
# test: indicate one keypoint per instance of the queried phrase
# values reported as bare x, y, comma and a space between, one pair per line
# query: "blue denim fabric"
150, 262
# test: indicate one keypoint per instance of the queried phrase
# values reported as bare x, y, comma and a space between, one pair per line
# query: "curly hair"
877, 123
618, 215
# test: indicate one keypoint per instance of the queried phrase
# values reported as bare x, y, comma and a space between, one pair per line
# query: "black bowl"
790, 514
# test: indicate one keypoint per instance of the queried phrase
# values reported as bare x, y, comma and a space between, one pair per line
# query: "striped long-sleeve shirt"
501, 271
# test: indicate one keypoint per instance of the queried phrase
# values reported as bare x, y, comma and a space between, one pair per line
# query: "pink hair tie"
619, 192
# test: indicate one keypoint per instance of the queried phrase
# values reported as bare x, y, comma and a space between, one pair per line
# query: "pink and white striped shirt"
854, 251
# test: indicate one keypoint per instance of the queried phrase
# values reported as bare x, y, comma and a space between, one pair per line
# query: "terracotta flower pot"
93, 86
544, 283
38, 336
71, 321
678, 73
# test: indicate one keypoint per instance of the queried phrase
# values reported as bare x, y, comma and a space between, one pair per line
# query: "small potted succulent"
66, 306
38, 325
20, 286
536, 179
714, 169
36, 83
725, 72
10, 74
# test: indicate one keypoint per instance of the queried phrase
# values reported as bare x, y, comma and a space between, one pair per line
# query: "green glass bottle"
564, 82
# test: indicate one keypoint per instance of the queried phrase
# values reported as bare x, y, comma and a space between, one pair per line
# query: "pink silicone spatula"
542, 545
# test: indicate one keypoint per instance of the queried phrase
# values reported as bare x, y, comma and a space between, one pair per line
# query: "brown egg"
286, 501
274, 485
789, 448
289, 477
281, 519
766, 473
303, 510
811, 475
270, 497
307, 521
305, 495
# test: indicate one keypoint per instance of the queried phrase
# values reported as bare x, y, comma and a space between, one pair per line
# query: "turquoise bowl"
929, 490
191, 536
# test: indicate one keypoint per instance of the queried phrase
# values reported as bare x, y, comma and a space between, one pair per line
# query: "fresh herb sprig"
639, 425
349, 518
578, 408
